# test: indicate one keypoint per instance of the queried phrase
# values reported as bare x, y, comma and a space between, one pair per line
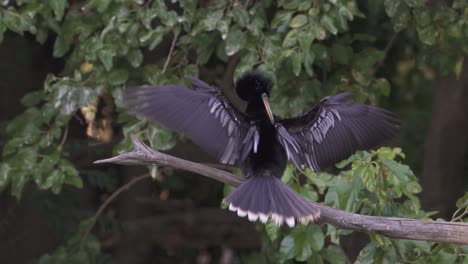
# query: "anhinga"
261, 142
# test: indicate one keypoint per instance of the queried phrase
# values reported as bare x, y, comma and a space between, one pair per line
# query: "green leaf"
367, 173
315, 237
366, 256
321, 180
302, 242
415, 3
286, 250
444, 257
281, 18
106, 56
391, 7
328, 24
298, 21
33, 98
461, 203
422, 16
135, 57
428, 35
117, 76
288, 173
290, 39
209, 22
400, 170
223, 27
334, 255
292, 4
235, 41
5, 169
272, 230
71, 175
382, 86
240, 15
58, 6
401, 19
17, 22
99, 5
296, 59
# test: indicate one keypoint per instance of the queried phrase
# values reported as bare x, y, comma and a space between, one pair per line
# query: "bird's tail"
262, 197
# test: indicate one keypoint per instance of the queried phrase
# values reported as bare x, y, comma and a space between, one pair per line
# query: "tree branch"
437, 231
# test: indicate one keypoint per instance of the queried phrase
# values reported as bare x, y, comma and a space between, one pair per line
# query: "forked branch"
402, 228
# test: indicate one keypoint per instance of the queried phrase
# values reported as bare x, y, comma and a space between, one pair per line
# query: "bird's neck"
256, 110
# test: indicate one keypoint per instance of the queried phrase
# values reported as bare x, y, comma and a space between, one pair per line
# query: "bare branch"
171, 51
144, 155
437, 231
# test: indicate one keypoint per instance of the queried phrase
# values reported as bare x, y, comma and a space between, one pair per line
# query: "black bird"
261, 142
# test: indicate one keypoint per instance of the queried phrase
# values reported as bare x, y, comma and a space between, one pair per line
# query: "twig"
119, 191
171, 51
110, 199
64, 138
144, 155
437, 231
387, 48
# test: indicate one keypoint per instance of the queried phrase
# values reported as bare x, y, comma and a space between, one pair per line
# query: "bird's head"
251, 85
254, 88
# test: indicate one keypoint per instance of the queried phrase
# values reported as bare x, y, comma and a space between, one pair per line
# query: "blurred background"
64, 65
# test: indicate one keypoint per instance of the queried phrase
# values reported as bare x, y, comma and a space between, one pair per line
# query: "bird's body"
261, 143
270, 156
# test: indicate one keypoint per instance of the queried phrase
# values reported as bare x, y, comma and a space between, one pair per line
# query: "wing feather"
203, 114
333, 130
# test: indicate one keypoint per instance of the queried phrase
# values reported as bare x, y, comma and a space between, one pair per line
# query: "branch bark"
401, 228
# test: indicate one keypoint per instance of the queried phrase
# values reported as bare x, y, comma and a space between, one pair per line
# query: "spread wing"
333, 130
202, 114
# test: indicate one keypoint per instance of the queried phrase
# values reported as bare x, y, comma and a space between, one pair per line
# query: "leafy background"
65, 65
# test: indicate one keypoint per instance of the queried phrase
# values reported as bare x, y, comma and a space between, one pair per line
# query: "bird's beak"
267, 107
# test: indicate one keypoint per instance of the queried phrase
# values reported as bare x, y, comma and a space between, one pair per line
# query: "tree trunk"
446, 145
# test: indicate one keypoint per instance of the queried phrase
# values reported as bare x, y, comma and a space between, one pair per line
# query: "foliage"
310, 48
